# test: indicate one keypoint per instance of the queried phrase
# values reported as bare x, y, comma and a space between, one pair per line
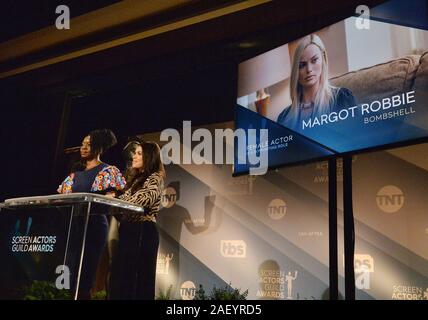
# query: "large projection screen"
343, 89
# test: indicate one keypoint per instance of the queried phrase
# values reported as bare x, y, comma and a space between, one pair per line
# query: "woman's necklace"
306, 110
306, 105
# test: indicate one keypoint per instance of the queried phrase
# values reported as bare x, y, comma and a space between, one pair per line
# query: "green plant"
223, 293
200, 294
99, 295
164, 295
298, 297
44, 290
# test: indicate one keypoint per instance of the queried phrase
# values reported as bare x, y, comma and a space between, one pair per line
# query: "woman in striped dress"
134, 263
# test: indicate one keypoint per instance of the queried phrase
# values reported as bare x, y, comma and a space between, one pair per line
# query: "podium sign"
43, 238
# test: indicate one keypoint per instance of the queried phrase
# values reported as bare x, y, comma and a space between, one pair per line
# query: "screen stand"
332, 229
348, 228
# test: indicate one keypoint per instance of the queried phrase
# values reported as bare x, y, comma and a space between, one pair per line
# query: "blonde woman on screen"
310, 90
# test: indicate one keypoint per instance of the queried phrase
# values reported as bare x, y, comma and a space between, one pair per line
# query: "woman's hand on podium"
111, 194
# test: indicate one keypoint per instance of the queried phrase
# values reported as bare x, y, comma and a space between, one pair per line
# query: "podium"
51, 228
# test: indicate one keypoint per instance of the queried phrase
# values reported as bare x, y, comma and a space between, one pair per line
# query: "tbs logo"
233, 248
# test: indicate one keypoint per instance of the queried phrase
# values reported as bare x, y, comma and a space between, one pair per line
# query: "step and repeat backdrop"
265, 234
269, 234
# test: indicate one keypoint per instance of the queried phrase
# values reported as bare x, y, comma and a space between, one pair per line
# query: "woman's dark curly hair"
152, 163
101, 141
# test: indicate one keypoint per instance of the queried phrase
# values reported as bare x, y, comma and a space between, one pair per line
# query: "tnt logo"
277, 209
363, 266
390, 199
169, 197
233, 248
188, 290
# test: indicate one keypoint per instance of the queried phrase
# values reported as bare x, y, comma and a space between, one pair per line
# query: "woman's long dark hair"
152, 163
101, 141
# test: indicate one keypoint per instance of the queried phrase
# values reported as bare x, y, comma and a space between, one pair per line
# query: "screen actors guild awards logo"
237, 186
277, 209
188, 290
271, 281
163, 263
22, 241
169, 197
289, 279
404, 292
390, 199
